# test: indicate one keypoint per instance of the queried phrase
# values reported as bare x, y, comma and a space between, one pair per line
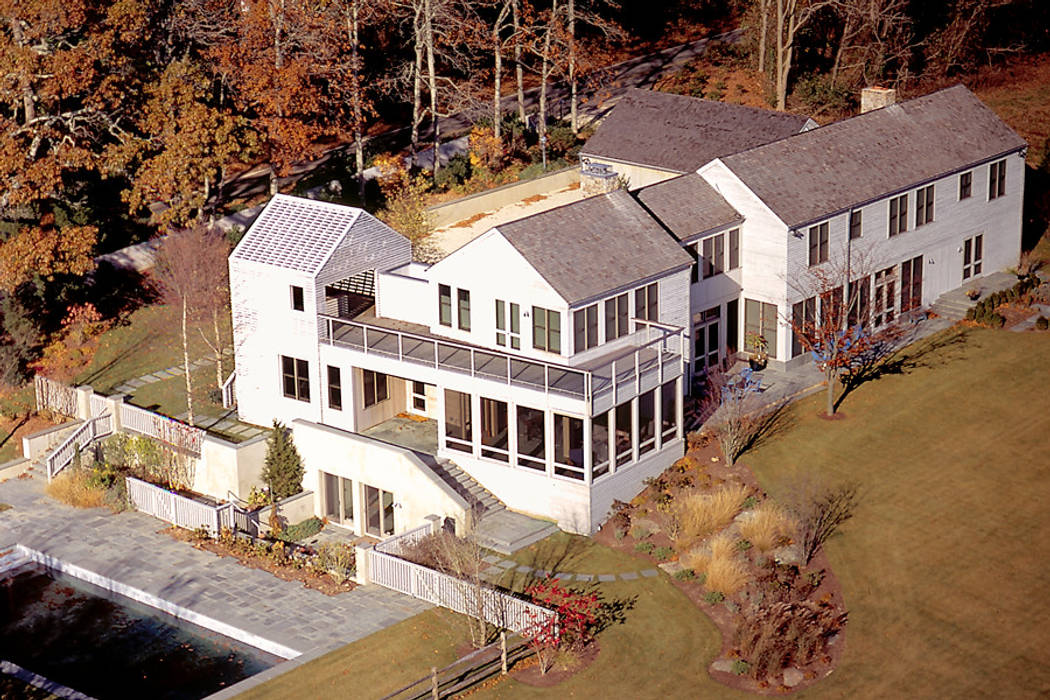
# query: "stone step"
506, 532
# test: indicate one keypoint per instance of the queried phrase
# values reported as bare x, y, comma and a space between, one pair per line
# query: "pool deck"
129, 548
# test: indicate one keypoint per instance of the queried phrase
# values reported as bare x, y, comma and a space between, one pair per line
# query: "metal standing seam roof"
596, 245
826, 170
687, 205
679, 133
296, 233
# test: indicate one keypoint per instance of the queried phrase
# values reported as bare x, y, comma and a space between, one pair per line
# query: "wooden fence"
169, 430
495, 607
179, 510
55, 396
63, 454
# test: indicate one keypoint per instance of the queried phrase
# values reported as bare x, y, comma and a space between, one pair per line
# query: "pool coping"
176, 611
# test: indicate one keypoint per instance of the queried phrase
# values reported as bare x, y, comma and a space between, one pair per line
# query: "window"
855, 225
669, 411
923, 205
504, 324
884, 302
997, 179
624, 434
445, 305
714, 255
694, 273
646, 304
831, 308
646, 422
568, 446
296, 376
965, 185
705, 339
859, 293
379, 511
761, 318
734, 249
898, 215
803, 317
615, 317
546, 329
599, 445
459, 433
818, 244
335, 389
911, 284
531, 443
463, 320
375, 387
419, 397
585, 328
298, 303
494, 434
973, 255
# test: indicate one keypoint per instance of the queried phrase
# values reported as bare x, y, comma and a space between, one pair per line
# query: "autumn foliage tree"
73, 347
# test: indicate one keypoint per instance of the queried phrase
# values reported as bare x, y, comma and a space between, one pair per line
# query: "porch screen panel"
624, 434
599, 445
668, 411
531, 439
646, 422
568, 446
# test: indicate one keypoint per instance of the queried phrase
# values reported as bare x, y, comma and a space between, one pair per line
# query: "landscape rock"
792, 677
724, 665
671, 567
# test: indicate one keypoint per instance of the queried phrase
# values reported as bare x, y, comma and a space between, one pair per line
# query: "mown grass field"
943, 566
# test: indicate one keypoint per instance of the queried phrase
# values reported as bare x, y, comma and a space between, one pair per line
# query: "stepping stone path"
160, 375
499, 565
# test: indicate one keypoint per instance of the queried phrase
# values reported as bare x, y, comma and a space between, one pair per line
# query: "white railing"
394, 545
656, 355
55, 396
229, 400
178, 510
63, 454
169, 430
496, 607
99, 405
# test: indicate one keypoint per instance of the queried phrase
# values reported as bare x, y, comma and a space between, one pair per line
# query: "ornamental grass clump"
700, 515
721, 568
75, 487
768, 527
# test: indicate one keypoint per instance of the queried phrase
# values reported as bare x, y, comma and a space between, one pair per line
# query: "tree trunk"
186, 359
545, 71
519, 77
354, 27
829, 375
217, 330
497, 90
28, 102
763, 34
573, 119
781, 97
432, 84
417, 77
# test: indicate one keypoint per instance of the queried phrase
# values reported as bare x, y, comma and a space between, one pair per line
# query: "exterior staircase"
953, 304
498, 528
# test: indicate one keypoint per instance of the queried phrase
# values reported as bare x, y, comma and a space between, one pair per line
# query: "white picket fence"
178, 510
496, 607
169, 430
62, 456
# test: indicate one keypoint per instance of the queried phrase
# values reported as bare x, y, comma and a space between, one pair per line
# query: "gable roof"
679, 134
687, 205
829, 169
301, 234
595, 245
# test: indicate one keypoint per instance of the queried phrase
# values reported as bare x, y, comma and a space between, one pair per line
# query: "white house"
542, 365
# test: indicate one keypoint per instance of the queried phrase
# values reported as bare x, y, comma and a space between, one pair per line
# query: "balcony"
654, 358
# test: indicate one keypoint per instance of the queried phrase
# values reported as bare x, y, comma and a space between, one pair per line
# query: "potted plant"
756, 347
973, 293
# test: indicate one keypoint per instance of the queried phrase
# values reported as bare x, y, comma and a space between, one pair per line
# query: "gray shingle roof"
595, 245
829, 169
687, 205
679, 134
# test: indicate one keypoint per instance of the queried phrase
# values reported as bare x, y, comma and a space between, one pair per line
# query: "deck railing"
63, 454
175, 433
655, 355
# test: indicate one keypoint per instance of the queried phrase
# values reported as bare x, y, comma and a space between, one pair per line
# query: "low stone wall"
499, 197
292, 510
41, 442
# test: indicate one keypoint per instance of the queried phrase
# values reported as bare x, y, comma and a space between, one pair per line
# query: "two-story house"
545, 361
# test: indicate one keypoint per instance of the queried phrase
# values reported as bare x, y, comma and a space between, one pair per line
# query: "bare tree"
214, 306
874, 35
791, 16
820, 512
735, 411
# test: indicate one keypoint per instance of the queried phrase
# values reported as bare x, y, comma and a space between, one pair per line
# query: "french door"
973, 256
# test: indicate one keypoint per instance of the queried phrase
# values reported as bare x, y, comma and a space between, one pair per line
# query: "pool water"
109, 646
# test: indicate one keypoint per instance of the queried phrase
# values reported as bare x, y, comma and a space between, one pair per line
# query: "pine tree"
283, 472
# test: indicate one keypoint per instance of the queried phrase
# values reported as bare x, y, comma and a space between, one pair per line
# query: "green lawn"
943, 567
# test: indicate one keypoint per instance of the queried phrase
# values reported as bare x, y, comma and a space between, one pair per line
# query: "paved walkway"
500, 565
128, 548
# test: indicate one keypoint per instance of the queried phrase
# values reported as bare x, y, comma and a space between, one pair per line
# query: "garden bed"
744, 569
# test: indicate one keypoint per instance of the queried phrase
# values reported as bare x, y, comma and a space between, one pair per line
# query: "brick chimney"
876, 98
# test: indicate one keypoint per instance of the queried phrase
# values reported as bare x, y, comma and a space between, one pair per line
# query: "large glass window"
713, 255
646, 422
884, 302
898, 215
546, 329
585, 328
599, 445
973, 256
859, 294
568, 446
375, 385
761, 318
818, 244
379, 511
911, 284
295, 375
965, 185
464, 309
335, 388
734, 249
624, 434
444, 305
508, 328
855, 230
803, 317
997, 179
616, 317
923, 206
646, 303
458, 429
669, 410
531, 444
494, 436
705, 339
